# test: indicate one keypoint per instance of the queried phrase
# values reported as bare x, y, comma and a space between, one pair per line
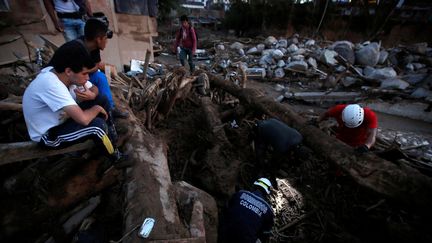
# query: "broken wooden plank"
14, 152
405, 185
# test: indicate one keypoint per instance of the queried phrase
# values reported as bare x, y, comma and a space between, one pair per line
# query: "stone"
298, 58
414, 78
270, 41
340, 69
300, 51
266, 60
328, 57
368, 55
394, 83
418, 66
383, 56
310, 43
297, 65
419, 48
368, 70
253, 51
421, 92
277, 54
292, 48
267, 52
220, 47
382, 73
279, 73
281, 63
348, 81
345, 49
260, 47
279, 87
237, 46
312, 62
409, 67
282, 43
241, 52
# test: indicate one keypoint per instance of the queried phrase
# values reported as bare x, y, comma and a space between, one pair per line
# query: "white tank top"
65, 7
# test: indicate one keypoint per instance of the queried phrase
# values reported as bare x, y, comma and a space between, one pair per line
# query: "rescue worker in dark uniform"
272, 134
249, 216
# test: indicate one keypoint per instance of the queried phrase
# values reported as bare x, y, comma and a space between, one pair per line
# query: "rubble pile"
340, 65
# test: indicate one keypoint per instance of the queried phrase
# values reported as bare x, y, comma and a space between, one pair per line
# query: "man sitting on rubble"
357, 126
53, 117
187, 41
274, 135
249, 216
96, 35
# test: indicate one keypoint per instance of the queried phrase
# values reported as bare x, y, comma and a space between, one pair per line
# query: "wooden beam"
14, 152
403, 184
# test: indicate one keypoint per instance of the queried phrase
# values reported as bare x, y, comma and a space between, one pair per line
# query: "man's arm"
88, 8
84, 117
49, 5
194, 40
371, 137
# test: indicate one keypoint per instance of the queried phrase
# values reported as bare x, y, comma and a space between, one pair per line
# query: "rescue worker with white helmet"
357, 126
249, 216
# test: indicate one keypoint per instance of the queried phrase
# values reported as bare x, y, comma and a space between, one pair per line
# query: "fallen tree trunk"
220, 171
405, 185
148, 188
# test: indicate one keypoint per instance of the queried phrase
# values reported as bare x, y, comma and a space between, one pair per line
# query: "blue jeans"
186, 53
73, 28
99, 79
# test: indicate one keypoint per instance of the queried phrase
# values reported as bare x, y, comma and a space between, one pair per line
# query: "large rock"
279, 73
281, 63
368, 55
237, 46
345, 49
382, 73
394, 83
260, 47
282, 43
421, 93
414, 78
383, 56
348, 81
292, 48
277, 54
298, 58
270, 41
265, 60
297, 65
312, 62
419, 48
310, 43
253, 51
328, 57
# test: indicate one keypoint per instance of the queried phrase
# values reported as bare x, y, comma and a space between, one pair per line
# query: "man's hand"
84, 95
193, 52
104, 113
59, 25
362, 149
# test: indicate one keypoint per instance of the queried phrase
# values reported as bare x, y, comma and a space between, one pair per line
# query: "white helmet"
264, 183
352, 116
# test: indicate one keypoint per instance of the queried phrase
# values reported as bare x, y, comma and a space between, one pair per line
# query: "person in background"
357, 126
249, 216
52, 116
187, 41
69, 16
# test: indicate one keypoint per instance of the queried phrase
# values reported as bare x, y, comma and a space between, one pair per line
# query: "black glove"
362, 149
